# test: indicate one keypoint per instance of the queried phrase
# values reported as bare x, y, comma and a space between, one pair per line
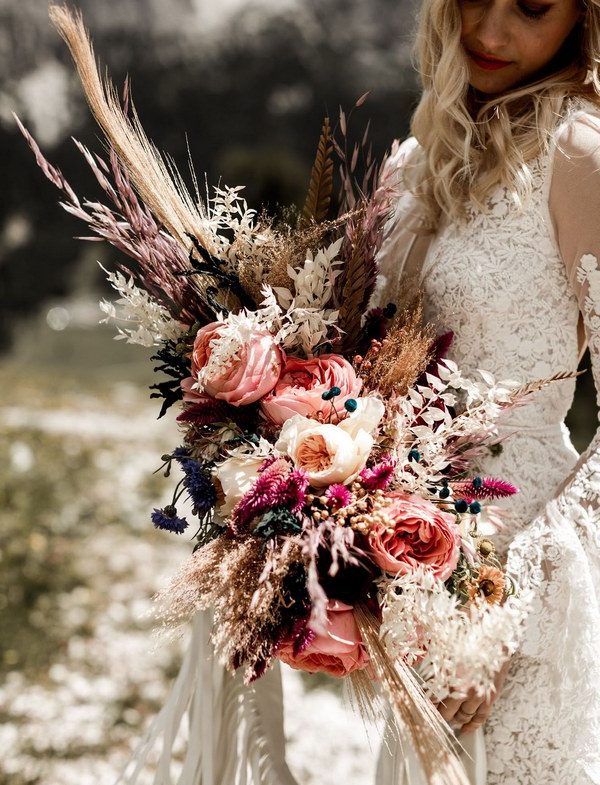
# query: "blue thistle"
199, 485
167, 520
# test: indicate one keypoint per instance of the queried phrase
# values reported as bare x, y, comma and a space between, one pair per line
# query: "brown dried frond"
393, 365
318, 200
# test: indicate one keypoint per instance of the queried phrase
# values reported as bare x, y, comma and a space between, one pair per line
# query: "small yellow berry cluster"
365, 512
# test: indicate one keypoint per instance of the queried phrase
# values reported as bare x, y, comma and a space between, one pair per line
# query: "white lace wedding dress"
511, 285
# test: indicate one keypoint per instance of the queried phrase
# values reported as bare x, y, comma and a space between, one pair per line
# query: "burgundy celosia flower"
302, 635
278, 485
378, 477
204, 412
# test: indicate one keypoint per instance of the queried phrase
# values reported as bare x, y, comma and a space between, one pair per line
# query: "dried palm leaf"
156, 181
359, 275
318, 200
524, 391
414, 714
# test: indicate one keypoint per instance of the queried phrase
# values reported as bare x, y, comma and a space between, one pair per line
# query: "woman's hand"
471, 712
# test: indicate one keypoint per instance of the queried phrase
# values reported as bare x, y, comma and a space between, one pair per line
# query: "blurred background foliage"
245, 84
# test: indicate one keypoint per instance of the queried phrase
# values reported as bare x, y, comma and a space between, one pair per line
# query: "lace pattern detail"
498, 280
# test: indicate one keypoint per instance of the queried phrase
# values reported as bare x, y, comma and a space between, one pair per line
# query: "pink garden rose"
422, 534
338, 652
301, 384
190, 393
246, 377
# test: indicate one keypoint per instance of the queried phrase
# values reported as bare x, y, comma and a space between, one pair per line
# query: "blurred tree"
248, 84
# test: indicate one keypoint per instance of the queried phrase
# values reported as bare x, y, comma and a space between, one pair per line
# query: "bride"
498, 221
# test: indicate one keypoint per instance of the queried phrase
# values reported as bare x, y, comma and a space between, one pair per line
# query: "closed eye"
532, 11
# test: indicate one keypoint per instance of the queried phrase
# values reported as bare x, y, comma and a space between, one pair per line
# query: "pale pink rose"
338, 652
422, 534
191, 394
249, 375
301, 384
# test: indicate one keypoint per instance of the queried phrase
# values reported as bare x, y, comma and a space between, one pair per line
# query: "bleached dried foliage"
149, 323
455, 648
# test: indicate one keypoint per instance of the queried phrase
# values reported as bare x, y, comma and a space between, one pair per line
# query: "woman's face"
508, 42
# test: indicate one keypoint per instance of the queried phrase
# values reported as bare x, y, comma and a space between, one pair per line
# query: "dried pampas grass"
393, 365
415, 716
243, 581
158, 183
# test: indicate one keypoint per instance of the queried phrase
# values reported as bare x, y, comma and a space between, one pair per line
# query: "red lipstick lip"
486, 62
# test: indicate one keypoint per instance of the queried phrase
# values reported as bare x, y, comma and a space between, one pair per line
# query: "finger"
472, 705
463, 718
449, 707
475, 722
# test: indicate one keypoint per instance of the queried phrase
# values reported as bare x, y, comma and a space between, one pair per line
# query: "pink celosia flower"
338, 495
277, 485
378, 477
483, 488
293, 495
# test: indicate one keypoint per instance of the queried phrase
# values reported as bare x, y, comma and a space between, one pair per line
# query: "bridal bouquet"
328, 449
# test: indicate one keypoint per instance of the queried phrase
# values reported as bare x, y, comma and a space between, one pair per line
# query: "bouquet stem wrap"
235, 732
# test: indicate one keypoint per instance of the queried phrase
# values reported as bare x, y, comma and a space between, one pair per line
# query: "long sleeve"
405, 240
556, 557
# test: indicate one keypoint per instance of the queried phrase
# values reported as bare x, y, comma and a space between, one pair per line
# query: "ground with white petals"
82, 674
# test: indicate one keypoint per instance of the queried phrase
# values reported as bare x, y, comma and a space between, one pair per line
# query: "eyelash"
532, 13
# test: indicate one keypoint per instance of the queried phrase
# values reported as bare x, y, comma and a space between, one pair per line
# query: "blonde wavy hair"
465, 152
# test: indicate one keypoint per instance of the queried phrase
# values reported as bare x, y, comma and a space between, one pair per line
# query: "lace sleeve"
403, 236
549, 707
556, 558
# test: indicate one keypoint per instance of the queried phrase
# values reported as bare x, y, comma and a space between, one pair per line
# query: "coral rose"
302, 383
240, 374
191, 393
338, 651
420, 534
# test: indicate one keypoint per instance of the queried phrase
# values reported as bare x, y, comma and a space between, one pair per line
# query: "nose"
491, 29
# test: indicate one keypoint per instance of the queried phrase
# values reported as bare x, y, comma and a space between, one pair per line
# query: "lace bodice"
512, 284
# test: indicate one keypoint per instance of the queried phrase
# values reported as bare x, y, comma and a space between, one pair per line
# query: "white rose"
236, 475
331, 453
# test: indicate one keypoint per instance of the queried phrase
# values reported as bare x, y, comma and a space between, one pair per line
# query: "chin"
491, 84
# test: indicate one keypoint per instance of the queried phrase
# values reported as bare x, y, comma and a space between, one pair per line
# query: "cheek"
540, 45
469, 17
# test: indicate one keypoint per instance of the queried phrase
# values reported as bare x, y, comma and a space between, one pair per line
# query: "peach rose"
338, 652
301, 384
242, 378
421, 534
332, 453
